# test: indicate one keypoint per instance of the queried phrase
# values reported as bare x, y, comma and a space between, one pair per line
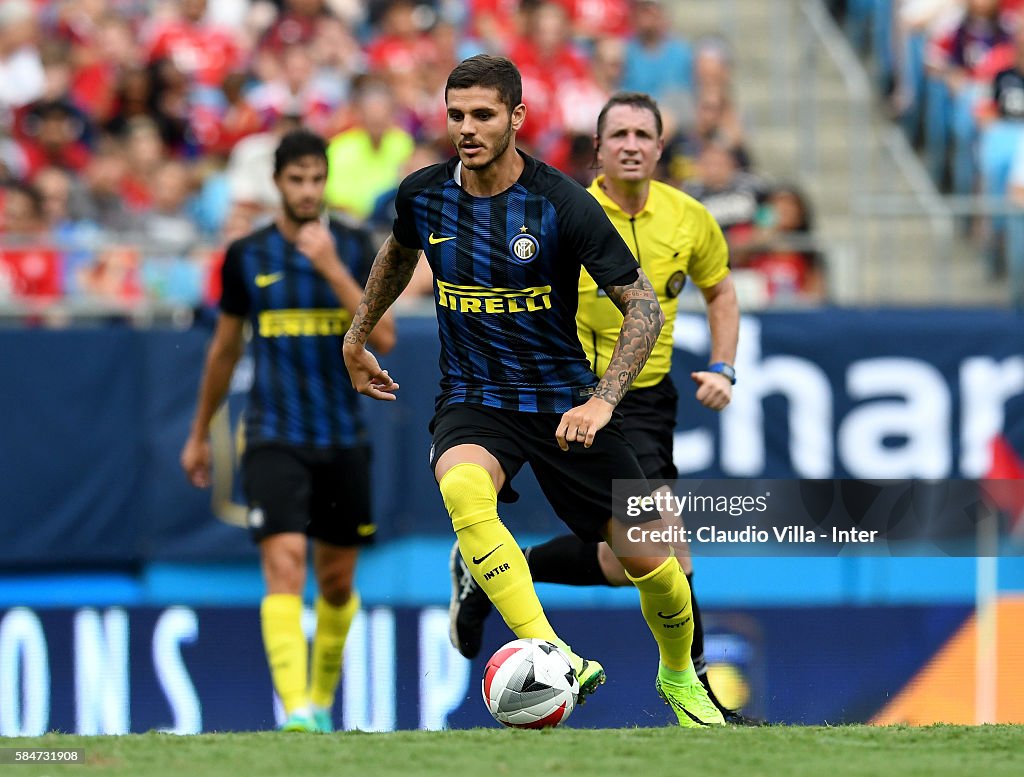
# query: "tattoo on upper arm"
641, 324
390, 274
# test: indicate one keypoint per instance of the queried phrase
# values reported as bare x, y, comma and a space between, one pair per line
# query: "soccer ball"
529, 683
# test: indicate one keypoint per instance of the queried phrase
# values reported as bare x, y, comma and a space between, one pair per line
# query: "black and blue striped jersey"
506, 273
301, 393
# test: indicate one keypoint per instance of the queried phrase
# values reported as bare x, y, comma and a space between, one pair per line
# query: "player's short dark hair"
297, 144
635, 99
488, 71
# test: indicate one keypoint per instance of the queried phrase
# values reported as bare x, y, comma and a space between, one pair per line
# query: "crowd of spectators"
954, 73
137, 136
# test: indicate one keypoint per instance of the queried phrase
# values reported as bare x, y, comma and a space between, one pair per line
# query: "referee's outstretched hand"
714, 390
367, 376
583, 422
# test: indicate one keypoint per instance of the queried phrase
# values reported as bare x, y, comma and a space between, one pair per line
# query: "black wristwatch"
723, 368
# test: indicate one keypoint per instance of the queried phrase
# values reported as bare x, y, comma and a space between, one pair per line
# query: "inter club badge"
524, 247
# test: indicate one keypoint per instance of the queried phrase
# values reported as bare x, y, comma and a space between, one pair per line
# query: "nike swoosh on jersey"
262, 281
484, 557
435, 240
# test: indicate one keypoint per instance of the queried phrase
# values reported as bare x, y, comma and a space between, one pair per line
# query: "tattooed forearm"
631, 294
641, 325
389, 275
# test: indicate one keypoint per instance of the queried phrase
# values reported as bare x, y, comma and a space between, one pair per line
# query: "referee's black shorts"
321, 492
649, 422
577, 483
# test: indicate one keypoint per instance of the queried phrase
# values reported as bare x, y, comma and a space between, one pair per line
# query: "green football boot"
690, 702
322, 721
300, 721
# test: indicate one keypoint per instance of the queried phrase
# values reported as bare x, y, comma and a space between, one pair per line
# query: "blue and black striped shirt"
301, 392
506, 274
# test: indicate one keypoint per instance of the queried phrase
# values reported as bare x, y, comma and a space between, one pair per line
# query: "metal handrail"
889, 206
928, 202
855, 83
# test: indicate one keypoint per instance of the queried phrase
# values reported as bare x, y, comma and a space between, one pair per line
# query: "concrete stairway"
889, 238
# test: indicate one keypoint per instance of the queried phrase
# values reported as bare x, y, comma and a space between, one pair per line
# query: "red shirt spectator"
598, 18
788, 274
93, 89
967, 45
581, 100
218, 130
782, 251
204, 54
145, 152
73, 157
547, 50
396, 55
493, 21
50, 135
297, 25
295, 92
401, 47
561, 65
547, 61
543, 120
99, 61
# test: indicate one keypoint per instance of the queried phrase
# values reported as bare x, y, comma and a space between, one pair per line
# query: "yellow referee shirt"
673, 237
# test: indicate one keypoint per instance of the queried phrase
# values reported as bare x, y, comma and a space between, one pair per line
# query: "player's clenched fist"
315, 241
714, 390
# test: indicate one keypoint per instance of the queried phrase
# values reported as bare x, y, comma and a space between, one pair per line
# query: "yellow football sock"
287, 649
491, 552
665, 603
332, 624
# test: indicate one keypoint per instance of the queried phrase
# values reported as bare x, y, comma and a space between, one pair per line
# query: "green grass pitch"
935, 751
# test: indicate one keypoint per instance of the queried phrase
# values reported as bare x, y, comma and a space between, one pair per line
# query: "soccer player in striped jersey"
306, 465
674, 239
505, 236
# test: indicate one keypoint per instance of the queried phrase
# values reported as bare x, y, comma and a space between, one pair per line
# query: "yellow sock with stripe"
491, 552
332, 625
665, 603
287, 649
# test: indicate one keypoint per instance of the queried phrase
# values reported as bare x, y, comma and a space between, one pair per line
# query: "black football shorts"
577, 483
324, 493
649, 422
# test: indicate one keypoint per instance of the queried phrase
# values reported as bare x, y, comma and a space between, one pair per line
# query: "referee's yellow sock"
665, 603
287, 649
491, 552
332, 625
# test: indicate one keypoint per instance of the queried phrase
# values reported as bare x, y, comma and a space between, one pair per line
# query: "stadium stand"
953, 75
135, 136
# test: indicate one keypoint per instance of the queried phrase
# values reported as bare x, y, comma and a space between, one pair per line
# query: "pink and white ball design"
529, 683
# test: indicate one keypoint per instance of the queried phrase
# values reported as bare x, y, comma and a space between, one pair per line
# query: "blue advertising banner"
858, 394
95, 420
117, 670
